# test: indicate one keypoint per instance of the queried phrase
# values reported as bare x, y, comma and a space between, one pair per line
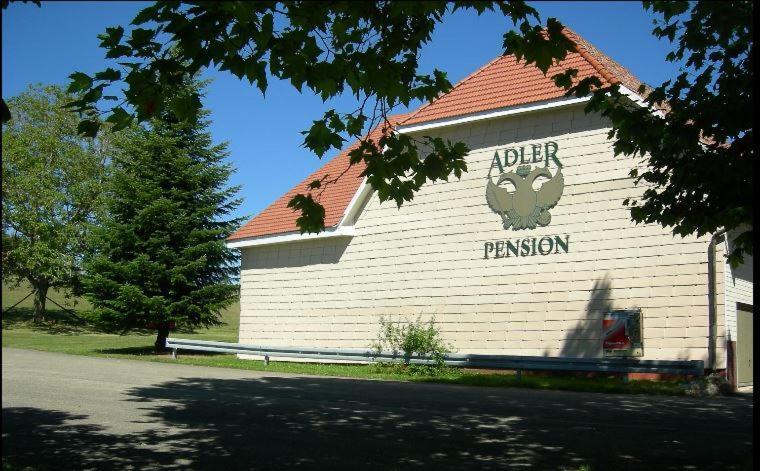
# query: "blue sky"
47, 44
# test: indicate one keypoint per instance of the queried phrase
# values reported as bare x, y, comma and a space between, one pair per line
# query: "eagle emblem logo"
525, 208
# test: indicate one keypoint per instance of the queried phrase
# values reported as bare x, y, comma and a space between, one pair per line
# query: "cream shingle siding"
426, 258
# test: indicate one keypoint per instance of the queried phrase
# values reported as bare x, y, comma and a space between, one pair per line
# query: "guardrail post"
266, 360
174, 353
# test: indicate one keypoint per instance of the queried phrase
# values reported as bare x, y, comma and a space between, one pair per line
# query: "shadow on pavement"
48, 440
326, 423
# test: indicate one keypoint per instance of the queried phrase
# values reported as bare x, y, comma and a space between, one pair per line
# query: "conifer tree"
162, 262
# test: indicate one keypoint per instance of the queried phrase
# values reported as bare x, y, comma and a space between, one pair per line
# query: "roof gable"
503, 82
341, 180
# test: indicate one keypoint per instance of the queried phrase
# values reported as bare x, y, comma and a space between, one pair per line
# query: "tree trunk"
40, 296
163, 333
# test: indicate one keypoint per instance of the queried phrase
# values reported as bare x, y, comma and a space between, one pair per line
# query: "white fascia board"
498, 113
345, 228
633, 96
337, 231
639, 100
353, 206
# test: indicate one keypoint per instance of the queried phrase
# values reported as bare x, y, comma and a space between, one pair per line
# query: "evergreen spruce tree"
162, 262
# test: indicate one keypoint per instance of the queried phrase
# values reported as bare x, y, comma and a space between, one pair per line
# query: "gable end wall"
427, 259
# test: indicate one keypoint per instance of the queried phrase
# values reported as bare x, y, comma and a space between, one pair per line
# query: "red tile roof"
503, 82
613, 71
343, 181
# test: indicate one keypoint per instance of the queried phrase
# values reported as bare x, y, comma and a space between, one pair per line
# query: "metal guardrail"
467, 360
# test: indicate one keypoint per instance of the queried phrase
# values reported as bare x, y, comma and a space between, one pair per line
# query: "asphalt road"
71, 412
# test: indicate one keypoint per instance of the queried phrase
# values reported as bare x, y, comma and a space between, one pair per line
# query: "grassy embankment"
66, 334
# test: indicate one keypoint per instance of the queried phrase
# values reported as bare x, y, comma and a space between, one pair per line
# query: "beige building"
524, 255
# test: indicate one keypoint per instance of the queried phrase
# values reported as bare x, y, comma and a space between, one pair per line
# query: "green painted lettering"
496, 162
536, 153
558, 242
552, 154
512, 247
541, 248
488, 248
507, 162
499, 248
522, 156
524, 247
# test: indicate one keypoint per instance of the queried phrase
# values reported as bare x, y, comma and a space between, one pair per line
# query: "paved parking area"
71, 412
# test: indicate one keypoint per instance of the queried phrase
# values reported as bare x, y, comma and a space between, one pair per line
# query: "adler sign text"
522, 201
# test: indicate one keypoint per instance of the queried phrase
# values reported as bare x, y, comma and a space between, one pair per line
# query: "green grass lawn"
70, 330
66, 334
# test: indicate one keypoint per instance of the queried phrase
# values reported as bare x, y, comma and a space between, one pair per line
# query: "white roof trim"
639, 100
345, 228
635, 97
353, 206
330, 232
490, 114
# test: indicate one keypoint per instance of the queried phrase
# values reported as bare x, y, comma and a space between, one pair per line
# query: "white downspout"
712, 302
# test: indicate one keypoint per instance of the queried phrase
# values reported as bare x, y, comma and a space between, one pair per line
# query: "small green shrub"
412, 338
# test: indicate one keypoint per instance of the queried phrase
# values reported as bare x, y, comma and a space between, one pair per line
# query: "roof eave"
345, 228
285, 237
492, 114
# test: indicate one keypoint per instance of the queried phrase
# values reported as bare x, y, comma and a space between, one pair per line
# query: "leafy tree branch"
367, 49
695, 130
